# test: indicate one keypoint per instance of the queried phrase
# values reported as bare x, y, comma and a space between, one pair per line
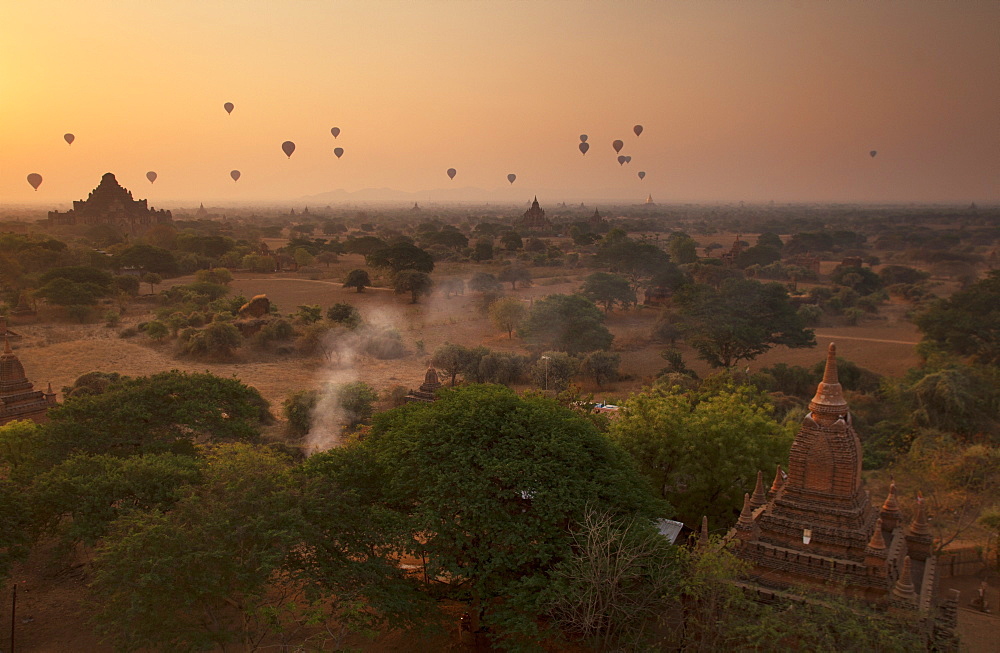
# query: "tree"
515, 275
968, 322
69, 293
638, 261
414, 282
357, 279
740, 321
489, 482
199, 576
683, 249
152, 279
157, 413
607, 290
483, 251
309, 313
702, 451
15, 526
399, 257
569, 323
602, 366
451, 359
511, 241
149, 258
553, 370
220, 276
218, 340
621, 576
345, 314
770, 239
81, 497
862, 280
484, 282
507, 313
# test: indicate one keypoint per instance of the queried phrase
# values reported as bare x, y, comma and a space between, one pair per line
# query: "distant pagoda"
534, 218
111, 204
427, 388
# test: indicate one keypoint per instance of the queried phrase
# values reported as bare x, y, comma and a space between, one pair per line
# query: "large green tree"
402, 256
157, 413
968, 322
569, 323
608, 289
702, 450
414, 282
489, 483
507, 313
740, 321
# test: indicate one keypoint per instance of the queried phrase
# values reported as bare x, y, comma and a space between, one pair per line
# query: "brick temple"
18, 397
816, 526
111, 204
534, 218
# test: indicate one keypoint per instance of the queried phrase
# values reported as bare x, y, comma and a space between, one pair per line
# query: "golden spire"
919, 524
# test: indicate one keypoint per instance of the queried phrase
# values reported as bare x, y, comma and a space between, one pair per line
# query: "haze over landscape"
748, 102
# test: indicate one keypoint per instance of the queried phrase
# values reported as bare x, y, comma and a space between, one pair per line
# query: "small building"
111, 204
427, 388
18, 397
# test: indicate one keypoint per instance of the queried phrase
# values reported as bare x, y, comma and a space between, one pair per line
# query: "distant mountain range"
510, 195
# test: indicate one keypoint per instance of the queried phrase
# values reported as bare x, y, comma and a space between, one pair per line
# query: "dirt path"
842, 337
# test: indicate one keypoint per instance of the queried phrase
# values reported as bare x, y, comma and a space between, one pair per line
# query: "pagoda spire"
829, 398
759, 498
6, 345
903, 588
890, 514
703, 536
745, 525
877, 543
778, 481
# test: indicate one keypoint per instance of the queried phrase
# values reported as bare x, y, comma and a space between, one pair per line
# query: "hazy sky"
750, 101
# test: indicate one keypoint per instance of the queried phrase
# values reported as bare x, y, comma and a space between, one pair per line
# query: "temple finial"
6, 344
778, 480
904, 584
877, 542
759, 498
830, 373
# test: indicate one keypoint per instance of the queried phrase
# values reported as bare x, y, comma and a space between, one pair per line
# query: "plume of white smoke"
342, 348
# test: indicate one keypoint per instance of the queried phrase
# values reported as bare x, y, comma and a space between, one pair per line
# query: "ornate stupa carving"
109, 203
18, 397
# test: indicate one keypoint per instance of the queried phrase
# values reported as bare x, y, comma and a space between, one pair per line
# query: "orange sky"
750, 101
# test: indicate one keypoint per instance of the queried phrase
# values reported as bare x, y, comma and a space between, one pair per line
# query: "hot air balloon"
451, 173
335, 131
288, 147
69, 138
339, 151
873, 153
621, 159
637, 129
511, 177
583, 138
584, 147
35, 180
618, 145
628, 159
229, 106
642, 175
235, 174
151, 176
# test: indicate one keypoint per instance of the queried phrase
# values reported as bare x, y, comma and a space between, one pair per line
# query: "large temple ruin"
817, 528
18, 397
111, 204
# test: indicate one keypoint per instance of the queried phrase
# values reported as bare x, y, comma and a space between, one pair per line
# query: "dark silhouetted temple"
111, 204
534, 218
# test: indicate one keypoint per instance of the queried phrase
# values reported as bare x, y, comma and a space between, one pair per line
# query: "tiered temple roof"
18, 398
534, 218
112, 204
